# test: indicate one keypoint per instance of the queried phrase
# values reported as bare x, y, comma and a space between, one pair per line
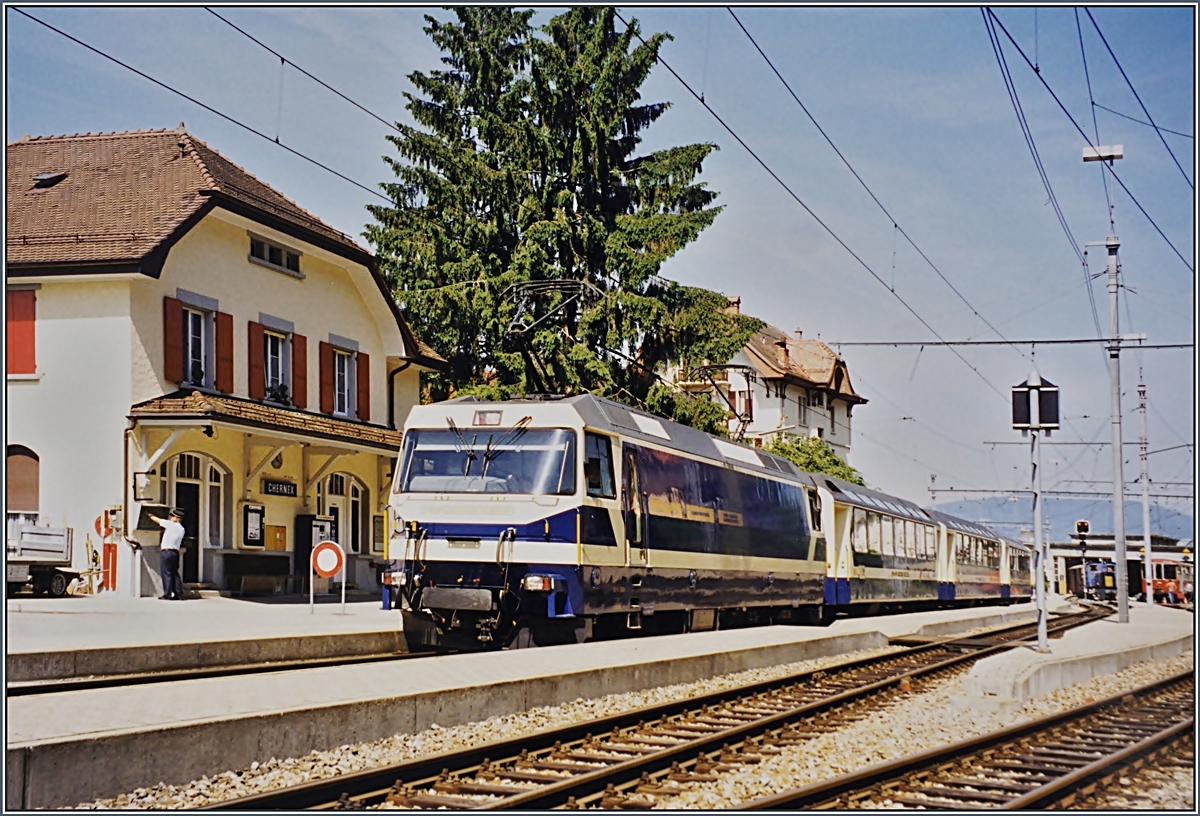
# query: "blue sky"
912, 97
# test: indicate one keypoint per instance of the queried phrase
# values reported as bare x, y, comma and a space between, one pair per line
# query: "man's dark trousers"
168, 567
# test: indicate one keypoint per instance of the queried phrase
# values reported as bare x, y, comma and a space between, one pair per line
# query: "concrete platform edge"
27, 666
66, 772
1050, 675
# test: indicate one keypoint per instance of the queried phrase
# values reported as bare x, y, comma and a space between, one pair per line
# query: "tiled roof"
197, 405
124, 194
775, 353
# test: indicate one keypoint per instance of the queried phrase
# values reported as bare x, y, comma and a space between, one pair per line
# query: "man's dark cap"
175, 511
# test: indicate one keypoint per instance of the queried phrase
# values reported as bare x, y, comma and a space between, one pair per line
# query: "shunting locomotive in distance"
538, 522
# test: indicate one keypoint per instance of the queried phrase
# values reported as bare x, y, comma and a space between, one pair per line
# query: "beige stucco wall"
100, 350
213, 260
72, 412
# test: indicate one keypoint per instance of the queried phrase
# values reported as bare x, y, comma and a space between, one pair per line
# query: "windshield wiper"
518, 430
463, 447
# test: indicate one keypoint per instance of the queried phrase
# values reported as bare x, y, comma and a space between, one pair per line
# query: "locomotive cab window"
534, 461
598, 466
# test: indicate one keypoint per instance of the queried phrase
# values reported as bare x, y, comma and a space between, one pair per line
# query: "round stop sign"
327, 559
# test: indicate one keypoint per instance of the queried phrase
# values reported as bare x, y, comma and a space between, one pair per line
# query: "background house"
781, 384
180, 333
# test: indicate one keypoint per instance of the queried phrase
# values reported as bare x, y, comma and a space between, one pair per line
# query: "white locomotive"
534, 522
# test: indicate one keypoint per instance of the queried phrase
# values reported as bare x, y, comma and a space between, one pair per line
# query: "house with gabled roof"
179, 333
781, 384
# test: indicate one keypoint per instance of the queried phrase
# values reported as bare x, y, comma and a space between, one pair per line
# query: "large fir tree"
524, 167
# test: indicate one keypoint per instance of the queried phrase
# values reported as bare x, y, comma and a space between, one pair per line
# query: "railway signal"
1035, 410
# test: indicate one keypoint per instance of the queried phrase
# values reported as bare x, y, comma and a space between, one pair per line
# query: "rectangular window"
196, 368
858, 537
910, 536
598, 466
21, 325
277, 368
273, 255
343, 385
274, 350
889, 538
876, 533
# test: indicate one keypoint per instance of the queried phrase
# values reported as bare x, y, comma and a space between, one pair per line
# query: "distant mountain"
1009, 515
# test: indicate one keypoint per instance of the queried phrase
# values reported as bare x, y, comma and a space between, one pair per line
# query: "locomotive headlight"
537, 583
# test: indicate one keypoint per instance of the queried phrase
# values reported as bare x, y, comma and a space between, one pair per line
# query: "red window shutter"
22, 346
299, 371
256, 370
172, 340
362, 385
326, 352
224, 379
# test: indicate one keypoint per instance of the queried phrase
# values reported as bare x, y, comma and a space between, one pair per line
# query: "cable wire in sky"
1140, 122
990, 14
208, 108
1027, 132
808, 210
1095, 125
320, 82
1138, 98
874, 198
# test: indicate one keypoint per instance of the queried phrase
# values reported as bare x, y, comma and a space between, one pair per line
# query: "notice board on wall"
276, 537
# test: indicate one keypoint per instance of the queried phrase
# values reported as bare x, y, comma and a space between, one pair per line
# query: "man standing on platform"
168, 559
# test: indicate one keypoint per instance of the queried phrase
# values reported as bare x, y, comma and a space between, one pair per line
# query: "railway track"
1053, 762
28, 687
614, 762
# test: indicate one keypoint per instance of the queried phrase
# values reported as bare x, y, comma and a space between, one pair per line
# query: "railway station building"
781, 383
180, 334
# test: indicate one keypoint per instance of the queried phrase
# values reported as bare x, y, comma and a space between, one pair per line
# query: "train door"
947, 573
836, 521
600, 528
1005, 570
637, 553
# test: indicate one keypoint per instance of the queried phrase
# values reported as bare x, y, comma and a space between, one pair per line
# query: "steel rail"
373, 785
827, 792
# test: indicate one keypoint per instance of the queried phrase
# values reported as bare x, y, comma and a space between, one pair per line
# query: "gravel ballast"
909, 724
276, 773
923, 719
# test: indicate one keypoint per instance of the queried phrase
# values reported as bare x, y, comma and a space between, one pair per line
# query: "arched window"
21, 488
345, 499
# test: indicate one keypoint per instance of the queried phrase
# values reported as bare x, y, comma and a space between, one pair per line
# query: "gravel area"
276, 773
1161, 788
925, 719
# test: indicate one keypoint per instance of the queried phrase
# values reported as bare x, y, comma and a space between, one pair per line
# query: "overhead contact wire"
198, 103
989, 13
854, 172
1137, 97
809, 210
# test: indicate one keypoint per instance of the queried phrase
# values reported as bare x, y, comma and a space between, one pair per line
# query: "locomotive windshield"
529, 461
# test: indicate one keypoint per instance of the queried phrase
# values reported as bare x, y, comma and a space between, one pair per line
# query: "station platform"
107, 634
76, 746
1005, 681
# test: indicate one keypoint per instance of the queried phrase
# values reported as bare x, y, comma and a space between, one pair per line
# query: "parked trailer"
41, 556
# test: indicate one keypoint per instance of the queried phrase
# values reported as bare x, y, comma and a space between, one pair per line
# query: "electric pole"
1109, 154
1149, 566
